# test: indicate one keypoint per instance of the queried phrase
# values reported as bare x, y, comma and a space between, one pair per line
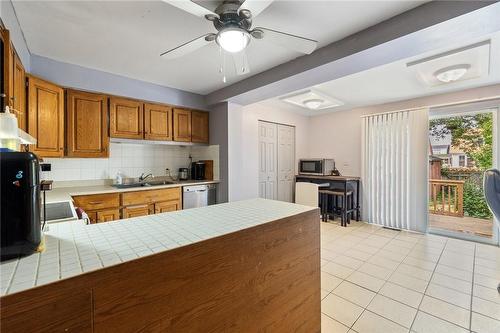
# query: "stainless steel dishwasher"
198, 196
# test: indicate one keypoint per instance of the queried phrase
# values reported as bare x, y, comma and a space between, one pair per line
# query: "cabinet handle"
95, 202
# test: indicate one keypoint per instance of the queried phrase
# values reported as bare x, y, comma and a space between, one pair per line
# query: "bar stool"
330, 205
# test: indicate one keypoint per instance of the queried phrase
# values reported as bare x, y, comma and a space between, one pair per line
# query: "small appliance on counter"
21, 230
183, 174
316, 166
198, 170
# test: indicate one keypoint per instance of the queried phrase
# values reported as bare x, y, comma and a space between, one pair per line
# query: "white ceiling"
126, 37
396, 81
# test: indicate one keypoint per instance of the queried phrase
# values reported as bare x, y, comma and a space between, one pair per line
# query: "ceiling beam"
425, 28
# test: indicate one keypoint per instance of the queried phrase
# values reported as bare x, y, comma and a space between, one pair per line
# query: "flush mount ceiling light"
451, 73
233, 40
311, 99
313, 103
465, 63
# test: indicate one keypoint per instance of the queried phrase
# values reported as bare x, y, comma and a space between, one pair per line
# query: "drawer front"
97, 201
150, 196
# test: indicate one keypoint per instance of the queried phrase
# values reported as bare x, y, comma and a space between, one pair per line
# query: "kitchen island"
246, 266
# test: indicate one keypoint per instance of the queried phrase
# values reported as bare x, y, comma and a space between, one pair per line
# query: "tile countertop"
65, 193
73, 248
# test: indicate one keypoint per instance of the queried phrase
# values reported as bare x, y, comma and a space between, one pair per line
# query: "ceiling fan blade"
292, 42
190, 7
188, 47
241, 63
255, 6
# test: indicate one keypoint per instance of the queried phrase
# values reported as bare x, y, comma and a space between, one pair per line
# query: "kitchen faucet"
143, 177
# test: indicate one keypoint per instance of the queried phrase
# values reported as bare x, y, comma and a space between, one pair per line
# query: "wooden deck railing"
446, 197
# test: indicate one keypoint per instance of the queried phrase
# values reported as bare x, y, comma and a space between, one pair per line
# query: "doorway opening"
461, 148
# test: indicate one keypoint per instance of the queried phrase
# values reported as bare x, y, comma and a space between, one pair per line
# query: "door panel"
182, 125
199, 127
46, 117
87, 124
108, 215
286, 162
19, 93
137, 211
267, 160
126, 118
157, 122
167, 206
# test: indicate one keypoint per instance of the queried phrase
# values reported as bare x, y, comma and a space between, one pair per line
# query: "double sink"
136, 182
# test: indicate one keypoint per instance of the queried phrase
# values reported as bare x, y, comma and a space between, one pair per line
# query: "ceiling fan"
233, 21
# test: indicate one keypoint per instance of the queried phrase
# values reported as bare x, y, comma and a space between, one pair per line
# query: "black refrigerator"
20, 203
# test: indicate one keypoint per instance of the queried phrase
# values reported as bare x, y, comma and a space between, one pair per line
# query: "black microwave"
316, 166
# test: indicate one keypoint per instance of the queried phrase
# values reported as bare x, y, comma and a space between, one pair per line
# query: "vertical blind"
394, 169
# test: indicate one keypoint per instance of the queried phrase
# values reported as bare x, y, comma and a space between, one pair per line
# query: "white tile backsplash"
131, 160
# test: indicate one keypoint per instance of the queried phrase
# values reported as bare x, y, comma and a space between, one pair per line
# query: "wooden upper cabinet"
126, 118
182, 125
87, 124
157, 122
18, 97
46, 117
199, 127
6, 67
13, 80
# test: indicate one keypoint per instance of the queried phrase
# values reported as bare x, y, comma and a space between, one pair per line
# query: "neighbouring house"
451, 156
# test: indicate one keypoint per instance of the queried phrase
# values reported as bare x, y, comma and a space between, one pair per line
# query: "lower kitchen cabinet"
108, 215
167, 206
114, 206
136, 211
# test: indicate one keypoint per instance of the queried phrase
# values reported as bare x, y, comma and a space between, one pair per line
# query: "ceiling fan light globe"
233, 40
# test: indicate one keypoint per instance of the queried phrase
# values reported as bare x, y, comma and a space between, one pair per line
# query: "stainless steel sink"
135, 182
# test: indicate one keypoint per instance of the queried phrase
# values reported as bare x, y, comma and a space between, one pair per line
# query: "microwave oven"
316, 166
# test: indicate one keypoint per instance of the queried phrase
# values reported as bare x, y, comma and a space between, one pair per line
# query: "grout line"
437, 263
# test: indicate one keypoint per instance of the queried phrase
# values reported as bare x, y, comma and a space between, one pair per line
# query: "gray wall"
9, 20
219, 136
79, 77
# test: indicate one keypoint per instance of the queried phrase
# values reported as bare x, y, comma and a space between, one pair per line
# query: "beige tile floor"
381, 281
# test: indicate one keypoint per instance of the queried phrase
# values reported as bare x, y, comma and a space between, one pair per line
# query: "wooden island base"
262, 279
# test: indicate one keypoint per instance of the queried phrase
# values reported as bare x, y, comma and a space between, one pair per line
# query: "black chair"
491, 186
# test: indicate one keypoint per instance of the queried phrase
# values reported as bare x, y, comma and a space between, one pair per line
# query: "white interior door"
268, 178
286, 162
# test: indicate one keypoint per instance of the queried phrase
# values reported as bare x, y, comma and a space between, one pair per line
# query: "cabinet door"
182, 125
199, 127
157, 122
46, 117
108, 215
137, 211
87, 124
126, 118
167, 206
19, 92
6, 67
